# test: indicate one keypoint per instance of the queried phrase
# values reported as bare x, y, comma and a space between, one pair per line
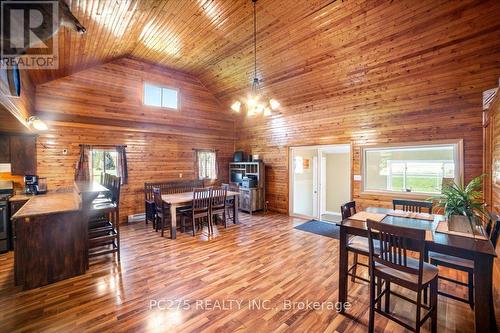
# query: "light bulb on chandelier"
255, 103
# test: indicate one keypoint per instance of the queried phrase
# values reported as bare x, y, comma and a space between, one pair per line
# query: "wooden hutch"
253, 198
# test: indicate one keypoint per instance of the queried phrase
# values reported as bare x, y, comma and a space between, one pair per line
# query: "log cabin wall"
103, 105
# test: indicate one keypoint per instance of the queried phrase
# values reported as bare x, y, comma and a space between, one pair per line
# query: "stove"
6, 191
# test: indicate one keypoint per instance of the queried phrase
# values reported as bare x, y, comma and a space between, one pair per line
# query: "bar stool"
465, 265
392, 265
358, 245
105, 232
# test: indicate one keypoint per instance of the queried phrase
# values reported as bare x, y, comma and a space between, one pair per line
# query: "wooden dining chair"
218, 205
162, 212
412, 206
492, 228
230, 202
106, 181
199, 211
392, 265
358, 245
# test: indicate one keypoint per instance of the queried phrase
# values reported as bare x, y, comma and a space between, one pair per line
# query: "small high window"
161, 96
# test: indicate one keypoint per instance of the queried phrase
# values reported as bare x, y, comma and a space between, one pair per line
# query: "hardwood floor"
263, 259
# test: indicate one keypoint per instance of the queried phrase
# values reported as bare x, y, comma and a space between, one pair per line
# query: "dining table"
185, 199
480, 251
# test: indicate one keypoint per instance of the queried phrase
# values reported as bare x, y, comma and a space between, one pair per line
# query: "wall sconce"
37, 123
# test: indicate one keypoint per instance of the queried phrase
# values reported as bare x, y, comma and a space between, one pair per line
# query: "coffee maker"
30, 184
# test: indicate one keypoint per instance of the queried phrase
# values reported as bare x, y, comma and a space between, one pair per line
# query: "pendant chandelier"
255, 102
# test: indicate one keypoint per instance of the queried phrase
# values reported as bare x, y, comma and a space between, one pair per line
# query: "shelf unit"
251, 199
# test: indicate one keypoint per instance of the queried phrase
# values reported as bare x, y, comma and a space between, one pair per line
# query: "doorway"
320, 181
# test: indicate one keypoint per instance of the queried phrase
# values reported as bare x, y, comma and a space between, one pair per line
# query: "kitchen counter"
52, 235
21, 197
45, 204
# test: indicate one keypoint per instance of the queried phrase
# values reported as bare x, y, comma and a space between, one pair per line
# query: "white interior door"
304, 182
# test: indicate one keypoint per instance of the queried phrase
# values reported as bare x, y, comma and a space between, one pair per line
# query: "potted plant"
462, 205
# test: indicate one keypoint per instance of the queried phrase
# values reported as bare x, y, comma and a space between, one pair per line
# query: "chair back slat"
393, 242
412, 206
218, 198
157, 198
348, 209
493, 228
171, 187
116, 187
201, 199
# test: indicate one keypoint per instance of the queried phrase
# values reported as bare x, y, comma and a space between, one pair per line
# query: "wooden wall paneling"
151, 157
492, 153
114, 92
103, 105
368, 83
364, 72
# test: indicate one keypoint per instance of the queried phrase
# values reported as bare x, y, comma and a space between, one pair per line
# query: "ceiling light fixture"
37, 123
256, 103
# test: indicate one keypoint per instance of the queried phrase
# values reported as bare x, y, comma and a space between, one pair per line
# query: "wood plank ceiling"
307, 49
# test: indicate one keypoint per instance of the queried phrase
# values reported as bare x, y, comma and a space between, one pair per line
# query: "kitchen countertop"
21, 197
50, 203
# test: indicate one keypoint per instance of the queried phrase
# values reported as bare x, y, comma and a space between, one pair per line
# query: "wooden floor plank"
263, 261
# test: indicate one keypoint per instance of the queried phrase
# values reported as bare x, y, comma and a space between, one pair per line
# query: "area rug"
320, 228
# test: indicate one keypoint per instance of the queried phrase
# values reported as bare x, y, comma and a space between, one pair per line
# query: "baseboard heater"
136, 218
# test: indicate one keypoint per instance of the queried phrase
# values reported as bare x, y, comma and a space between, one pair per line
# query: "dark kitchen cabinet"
23, 155
14, 207
4, 149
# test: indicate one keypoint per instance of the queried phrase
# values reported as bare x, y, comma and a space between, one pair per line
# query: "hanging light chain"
252, 104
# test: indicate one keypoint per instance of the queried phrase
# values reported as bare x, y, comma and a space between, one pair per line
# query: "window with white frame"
416, 169
163, 97
207, 167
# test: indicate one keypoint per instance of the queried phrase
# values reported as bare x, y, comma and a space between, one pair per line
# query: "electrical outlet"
180, 175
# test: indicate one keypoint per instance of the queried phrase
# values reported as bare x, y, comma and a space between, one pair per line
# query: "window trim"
459, 161
161, 86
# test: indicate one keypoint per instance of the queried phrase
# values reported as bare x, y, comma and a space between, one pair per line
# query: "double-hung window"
416, 169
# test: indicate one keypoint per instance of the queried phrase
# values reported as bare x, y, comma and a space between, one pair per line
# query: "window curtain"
216, 161
196, 164
122, 164
201, 160
83, 164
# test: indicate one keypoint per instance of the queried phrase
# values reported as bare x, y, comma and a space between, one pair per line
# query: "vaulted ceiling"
308, 49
